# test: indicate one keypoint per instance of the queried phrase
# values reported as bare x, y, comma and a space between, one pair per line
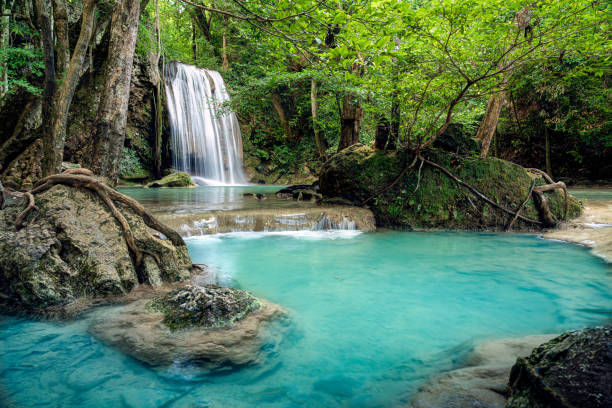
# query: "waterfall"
206, 140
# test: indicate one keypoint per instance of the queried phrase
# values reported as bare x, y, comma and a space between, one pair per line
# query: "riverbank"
592, 229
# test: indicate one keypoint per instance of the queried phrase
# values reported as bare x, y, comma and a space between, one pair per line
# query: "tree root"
84, 178
479, 194
408, 167
550, 187
22, 216
509, 226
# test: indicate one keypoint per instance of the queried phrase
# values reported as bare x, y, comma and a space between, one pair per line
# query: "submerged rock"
433, 200
75, 248
178, 179
572, 370
210, 326
483, 382
205, 306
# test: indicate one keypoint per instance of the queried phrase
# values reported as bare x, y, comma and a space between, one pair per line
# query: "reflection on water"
210, 198
595, 194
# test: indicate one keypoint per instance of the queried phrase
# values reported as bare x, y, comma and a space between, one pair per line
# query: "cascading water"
206, 137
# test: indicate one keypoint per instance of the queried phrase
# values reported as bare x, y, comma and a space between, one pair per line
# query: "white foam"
201, 181
302, 234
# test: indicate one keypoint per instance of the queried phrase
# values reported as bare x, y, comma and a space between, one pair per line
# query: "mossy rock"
572, 370
179, 179
359, 173
204, 306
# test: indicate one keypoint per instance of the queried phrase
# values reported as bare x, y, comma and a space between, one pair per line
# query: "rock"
306, 195
178, 179
206, 306
358, 174
483, 382
572, 370
75, 248
139, 329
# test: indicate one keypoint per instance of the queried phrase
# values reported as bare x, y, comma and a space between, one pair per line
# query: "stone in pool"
207, 325
572, 370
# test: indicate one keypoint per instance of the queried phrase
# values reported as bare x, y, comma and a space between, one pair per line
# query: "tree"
112, 112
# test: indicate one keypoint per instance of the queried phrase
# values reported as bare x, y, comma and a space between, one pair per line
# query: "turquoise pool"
372, 316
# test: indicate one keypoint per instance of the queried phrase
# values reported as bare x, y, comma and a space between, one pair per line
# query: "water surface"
372, 317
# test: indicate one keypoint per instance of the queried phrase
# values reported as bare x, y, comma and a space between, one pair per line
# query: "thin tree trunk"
194, 45
50, 155
489, 122
488, 125
547, 152
383, 130
157, 162
64, 94
60, 28
314, 106
276, 102
352, 114
395, 120
225, 63
112, 112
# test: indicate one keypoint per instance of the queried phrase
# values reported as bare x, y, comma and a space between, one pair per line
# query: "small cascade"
206, 136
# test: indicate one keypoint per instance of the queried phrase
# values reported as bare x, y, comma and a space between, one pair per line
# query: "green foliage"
22, 64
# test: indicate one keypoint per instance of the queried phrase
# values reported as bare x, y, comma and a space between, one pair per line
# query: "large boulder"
178, 179
572, 370
207, 325
75, 248
424, 197
482, 383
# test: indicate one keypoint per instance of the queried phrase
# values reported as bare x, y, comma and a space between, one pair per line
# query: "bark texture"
352, 114
112, 112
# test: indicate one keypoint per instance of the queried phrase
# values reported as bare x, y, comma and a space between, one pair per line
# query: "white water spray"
206, 137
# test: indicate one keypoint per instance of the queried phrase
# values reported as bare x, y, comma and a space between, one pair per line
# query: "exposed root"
411, 165
22, 216
509, 226
478, 193
419, 177
552, 186
84, 178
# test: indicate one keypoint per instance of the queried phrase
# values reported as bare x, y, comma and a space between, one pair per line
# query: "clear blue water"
372, 317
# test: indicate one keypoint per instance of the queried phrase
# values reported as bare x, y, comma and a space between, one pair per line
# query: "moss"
179, 179
359, 173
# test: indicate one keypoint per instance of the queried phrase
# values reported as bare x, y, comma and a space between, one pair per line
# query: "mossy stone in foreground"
572, 370
204, 306
179, 179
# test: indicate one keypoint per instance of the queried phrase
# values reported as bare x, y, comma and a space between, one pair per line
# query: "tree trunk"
395, 120
547, 152
64, 94
276, 102
157, 145
352, 114
383, 130
60, 28
194, 44
225, 64
50, 155
112, 112
488, 125
5, 20
314, 106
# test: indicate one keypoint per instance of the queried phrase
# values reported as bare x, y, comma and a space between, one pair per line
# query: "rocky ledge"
207, 325
593, 229
73, 247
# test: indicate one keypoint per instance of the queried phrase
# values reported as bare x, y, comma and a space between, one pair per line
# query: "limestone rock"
205, 306
75, 248
139, 331
483, 382
359, 173
572, 370
178, 179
